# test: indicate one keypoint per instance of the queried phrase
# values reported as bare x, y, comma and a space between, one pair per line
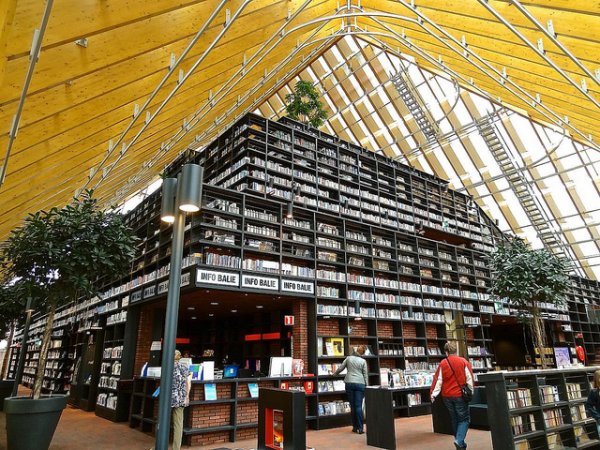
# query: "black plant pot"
30, 424
6, 387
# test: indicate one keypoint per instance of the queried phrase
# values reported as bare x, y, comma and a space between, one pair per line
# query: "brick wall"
328, 327
210, 438
409, 330
247, 412
431, 331
300, 331
359, 328
389, 363
246, 433
385, 329
204, 416
144, 339
470, 334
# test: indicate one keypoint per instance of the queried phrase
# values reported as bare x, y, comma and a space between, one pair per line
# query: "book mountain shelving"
540, 409
378, 254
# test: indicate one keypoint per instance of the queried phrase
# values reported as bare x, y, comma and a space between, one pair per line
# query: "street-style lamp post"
179, 196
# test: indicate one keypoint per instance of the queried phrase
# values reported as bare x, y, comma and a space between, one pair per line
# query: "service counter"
224, 410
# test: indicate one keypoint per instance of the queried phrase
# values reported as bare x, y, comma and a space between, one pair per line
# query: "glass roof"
533, 179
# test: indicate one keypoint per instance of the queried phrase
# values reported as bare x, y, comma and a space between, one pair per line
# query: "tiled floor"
78, 430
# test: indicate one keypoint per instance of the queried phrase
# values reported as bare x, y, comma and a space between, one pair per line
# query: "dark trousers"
356, 394
460, 418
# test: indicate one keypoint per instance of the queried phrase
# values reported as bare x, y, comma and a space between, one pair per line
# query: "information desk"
220, 410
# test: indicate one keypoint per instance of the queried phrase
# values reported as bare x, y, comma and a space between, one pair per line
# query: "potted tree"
527, 278
64, 252
304, 104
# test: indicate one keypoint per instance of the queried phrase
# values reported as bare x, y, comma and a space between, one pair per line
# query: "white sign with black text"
214, 277
303, 287
252, 281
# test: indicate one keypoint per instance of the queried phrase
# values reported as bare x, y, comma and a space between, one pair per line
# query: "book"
297, 367
253, 389
210, 391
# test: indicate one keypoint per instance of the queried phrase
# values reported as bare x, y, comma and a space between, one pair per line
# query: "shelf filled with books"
540, 409
383, 255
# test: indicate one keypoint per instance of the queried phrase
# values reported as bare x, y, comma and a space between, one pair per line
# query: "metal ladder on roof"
415, 104
523, 191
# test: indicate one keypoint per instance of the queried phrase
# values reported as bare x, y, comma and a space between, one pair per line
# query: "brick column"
144, 339
300, 331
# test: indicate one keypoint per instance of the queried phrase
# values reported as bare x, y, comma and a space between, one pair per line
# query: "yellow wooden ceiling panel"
82, 97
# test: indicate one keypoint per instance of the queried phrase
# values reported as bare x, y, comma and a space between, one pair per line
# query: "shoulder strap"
452, 369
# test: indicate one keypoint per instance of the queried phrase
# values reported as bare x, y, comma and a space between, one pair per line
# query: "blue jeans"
460, 418
356, 394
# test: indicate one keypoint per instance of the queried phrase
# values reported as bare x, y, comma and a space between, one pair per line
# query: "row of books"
328, 369
549, 393
553, 418
522, 424
574, 391
401, 378
333, 408
332, 386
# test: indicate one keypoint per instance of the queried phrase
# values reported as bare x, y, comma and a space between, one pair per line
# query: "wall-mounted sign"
303, 287
214, 277
254, 282
288, 320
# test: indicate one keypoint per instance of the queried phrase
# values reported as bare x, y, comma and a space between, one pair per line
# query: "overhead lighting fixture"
259, 306
214, 303
169, 188
190, 189
193, 317
191, 308
234, 310
211, 315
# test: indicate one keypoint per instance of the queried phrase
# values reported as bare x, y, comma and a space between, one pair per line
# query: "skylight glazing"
562, 176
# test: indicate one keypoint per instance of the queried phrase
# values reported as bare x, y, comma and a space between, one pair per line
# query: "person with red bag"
454, 380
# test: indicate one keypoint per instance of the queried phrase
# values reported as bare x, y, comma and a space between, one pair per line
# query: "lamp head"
169, 189
190, 188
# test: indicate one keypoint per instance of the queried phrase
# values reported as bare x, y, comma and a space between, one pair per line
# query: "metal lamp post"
179, 196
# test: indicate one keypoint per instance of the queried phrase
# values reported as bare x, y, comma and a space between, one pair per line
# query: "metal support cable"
501, 79
34, 54
554, 40
159, 86
541, 54
172, 93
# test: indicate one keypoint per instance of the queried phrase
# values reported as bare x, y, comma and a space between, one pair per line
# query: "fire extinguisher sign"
288, 320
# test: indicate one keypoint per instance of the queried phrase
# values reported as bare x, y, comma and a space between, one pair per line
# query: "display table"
281, 419
380, 418
440, 418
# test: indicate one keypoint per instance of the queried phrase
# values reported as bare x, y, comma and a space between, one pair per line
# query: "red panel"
271, 336
252, 337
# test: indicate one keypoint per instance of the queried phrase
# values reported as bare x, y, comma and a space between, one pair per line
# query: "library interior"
448, 192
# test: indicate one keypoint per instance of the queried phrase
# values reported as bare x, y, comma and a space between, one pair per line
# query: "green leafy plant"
13, 300
304, 104
527, 278
65, 253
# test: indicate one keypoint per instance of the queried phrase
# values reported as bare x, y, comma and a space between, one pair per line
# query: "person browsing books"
356, 379
453, 373
180, 397
592, 404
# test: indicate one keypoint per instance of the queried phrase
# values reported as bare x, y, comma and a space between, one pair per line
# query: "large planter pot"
30, 424
6, 387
